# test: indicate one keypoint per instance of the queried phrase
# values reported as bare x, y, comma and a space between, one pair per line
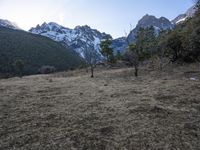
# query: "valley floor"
113, 111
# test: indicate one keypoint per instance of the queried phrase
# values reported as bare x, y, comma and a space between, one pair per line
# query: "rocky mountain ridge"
182, 17
159, 24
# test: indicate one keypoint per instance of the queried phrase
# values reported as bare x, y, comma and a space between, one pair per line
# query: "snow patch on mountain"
8, 24
181, 20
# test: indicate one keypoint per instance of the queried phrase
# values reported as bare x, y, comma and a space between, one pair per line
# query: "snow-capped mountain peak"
79, 38
8, 24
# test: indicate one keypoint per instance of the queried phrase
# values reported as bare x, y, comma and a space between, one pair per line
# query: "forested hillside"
34, 51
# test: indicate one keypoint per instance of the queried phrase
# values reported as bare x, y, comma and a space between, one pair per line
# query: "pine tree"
106, 50
145, 43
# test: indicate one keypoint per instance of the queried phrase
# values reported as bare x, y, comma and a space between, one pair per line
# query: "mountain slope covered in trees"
34, 51
183, 43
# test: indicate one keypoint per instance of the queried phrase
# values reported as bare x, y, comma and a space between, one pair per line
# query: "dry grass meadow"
113, 111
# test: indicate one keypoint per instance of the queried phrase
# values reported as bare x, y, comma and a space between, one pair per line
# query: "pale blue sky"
110, 16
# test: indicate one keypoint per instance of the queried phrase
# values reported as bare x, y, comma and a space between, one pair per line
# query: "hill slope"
34, 50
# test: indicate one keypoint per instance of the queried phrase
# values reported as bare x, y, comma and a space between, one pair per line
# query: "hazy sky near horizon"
110, 16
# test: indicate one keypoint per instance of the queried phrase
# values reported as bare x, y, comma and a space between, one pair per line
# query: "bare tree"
91, 56
131, 56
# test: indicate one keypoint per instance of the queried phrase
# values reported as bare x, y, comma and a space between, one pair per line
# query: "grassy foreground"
113, 111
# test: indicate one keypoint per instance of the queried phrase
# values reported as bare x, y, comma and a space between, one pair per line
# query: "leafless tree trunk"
132, 56
136, 71
92, 71
161, 57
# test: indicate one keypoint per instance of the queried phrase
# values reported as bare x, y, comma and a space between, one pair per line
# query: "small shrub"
47, 69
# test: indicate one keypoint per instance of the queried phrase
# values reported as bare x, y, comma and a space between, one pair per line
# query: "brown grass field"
113, 111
